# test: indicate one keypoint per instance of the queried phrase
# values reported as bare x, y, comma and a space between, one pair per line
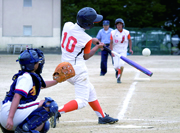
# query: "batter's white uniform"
120, 45
25, 84
73, 42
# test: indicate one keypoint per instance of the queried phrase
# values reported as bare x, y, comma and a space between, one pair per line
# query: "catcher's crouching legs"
37, 117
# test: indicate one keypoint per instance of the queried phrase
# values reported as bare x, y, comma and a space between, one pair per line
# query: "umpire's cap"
106, 22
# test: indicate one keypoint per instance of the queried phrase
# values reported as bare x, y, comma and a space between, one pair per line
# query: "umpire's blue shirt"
104, 36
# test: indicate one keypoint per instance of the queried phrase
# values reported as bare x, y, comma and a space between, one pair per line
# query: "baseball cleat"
118, 80
107, 119
55, 118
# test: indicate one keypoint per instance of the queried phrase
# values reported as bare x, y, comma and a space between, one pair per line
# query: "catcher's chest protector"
37, 83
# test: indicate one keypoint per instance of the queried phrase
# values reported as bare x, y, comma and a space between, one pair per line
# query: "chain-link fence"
157, 40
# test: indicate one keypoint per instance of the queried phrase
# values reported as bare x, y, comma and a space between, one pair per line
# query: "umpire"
104, 36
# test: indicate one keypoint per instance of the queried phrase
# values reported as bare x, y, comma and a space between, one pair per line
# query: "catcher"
20, 112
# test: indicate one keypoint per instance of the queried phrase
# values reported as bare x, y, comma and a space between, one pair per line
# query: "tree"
136, 13
172, 16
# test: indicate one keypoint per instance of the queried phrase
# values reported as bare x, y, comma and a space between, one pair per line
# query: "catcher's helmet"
120, 20
87, 16
28, 58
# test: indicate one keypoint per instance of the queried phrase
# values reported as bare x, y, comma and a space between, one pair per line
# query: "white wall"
45, 34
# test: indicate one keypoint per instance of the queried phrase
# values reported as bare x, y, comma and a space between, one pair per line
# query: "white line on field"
154, 121
133, 126
128, 98
144, 120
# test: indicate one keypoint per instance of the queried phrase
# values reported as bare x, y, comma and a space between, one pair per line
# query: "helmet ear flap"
88, 25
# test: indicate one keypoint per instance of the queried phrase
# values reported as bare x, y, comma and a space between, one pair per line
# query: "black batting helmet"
87, 16
120, 20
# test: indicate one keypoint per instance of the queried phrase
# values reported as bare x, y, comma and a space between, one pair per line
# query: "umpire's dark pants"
104, 58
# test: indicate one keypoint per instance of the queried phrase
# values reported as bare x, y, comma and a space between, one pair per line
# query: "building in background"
35, 22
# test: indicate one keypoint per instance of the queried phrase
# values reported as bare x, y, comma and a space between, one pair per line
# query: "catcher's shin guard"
37, 117
46, 127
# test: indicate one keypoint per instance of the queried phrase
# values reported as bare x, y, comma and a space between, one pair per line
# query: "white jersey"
74, 40
120, 40
73, 43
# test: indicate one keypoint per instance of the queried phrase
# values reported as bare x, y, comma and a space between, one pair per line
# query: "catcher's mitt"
63, 72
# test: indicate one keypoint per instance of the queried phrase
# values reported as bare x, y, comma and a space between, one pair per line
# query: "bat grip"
107, 49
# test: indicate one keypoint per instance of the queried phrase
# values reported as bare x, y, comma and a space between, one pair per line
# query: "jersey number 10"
70, 43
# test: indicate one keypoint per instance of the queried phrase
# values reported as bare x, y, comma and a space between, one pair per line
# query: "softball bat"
130, 62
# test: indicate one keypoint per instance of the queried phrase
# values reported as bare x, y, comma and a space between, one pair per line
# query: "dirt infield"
141, 103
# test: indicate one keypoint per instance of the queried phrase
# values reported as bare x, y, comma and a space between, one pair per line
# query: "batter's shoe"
107, 119
118, 80
55, 118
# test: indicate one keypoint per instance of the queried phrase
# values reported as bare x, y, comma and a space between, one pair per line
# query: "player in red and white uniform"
120, 38
76, 48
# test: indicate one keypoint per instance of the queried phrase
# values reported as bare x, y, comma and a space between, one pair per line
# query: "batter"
76, 48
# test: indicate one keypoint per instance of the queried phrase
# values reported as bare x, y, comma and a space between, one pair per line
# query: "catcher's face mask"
41, 61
